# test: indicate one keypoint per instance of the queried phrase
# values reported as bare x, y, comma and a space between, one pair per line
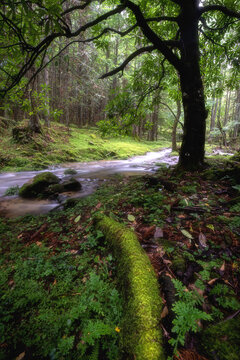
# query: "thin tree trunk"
175, 124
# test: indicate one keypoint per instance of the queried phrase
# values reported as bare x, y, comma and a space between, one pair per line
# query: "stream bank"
90, 175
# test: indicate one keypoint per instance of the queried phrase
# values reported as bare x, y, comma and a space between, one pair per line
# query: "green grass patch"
59, 144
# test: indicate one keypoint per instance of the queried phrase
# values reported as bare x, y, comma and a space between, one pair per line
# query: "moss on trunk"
141, 335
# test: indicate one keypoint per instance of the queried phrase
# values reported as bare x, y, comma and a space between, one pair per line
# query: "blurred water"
87, 173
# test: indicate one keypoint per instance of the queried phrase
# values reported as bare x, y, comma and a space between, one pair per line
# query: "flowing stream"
88, 174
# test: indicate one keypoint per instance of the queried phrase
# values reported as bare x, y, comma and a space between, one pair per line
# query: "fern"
95, 353
187, 314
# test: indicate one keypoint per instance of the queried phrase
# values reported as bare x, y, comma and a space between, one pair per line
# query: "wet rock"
71, 185
70, 172
37, 186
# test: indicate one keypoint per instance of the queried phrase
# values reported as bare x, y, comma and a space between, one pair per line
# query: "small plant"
188, 313
13, 190
225, 297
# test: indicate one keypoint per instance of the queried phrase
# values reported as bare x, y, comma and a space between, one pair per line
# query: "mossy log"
141, 335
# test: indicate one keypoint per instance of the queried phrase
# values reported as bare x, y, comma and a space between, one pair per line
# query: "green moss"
70, 172
178, 263
141, 332
38, 184
222, 341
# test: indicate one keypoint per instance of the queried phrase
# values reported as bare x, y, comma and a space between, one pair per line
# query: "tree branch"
77, 7
152, 36
163, 18
204, 22
130, 58
220, 8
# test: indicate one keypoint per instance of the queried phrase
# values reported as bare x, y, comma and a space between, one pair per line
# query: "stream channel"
88, 174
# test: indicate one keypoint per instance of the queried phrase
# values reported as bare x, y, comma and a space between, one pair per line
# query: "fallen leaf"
167, 262
187, 234
202, 239
164, 312
181, 216
77, 218
211, 227
158, 233
222, 268
98, 206
212, 281
131, 217
38, 243
20, 356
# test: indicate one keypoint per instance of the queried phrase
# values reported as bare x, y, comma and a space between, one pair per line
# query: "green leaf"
211, 227
131, 217
77, 218
187, 234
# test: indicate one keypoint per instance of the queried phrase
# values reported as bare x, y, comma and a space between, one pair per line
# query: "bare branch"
130, 58
101, 18
220, 8
77, 7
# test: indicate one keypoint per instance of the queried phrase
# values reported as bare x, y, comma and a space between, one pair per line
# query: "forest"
119, 179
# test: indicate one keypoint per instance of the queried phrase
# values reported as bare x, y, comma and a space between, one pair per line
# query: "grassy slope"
58, 145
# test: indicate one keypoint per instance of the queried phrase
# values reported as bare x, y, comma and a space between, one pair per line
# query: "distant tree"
169, 27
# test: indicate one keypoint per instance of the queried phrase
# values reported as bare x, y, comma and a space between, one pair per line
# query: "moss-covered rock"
38, 185
71, 185
141, 332
70, 172
222, 341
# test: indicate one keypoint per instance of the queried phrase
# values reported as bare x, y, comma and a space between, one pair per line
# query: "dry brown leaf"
222, 268
164, 312
98, 206
39, 243
158, 233
20, 356
167, 262
202, 239
212, 281
194, 287
74, 252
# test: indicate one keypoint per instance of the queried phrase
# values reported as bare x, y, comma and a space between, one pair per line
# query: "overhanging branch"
130, 58
158, 43
220, 8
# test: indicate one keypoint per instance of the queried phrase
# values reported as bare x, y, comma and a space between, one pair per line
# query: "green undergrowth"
58, 294
58, 144
141, 335
190, 219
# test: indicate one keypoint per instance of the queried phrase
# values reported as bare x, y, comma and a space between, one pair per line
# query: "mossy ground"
59, 144
195, 214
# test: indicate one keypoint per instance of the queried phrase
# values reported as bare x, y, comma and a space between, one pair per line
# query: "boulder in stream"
48, 185
37, 187
71, 185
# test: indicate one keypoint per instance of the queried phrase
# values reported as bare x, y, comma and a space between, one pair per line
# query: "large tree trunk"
195, 114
